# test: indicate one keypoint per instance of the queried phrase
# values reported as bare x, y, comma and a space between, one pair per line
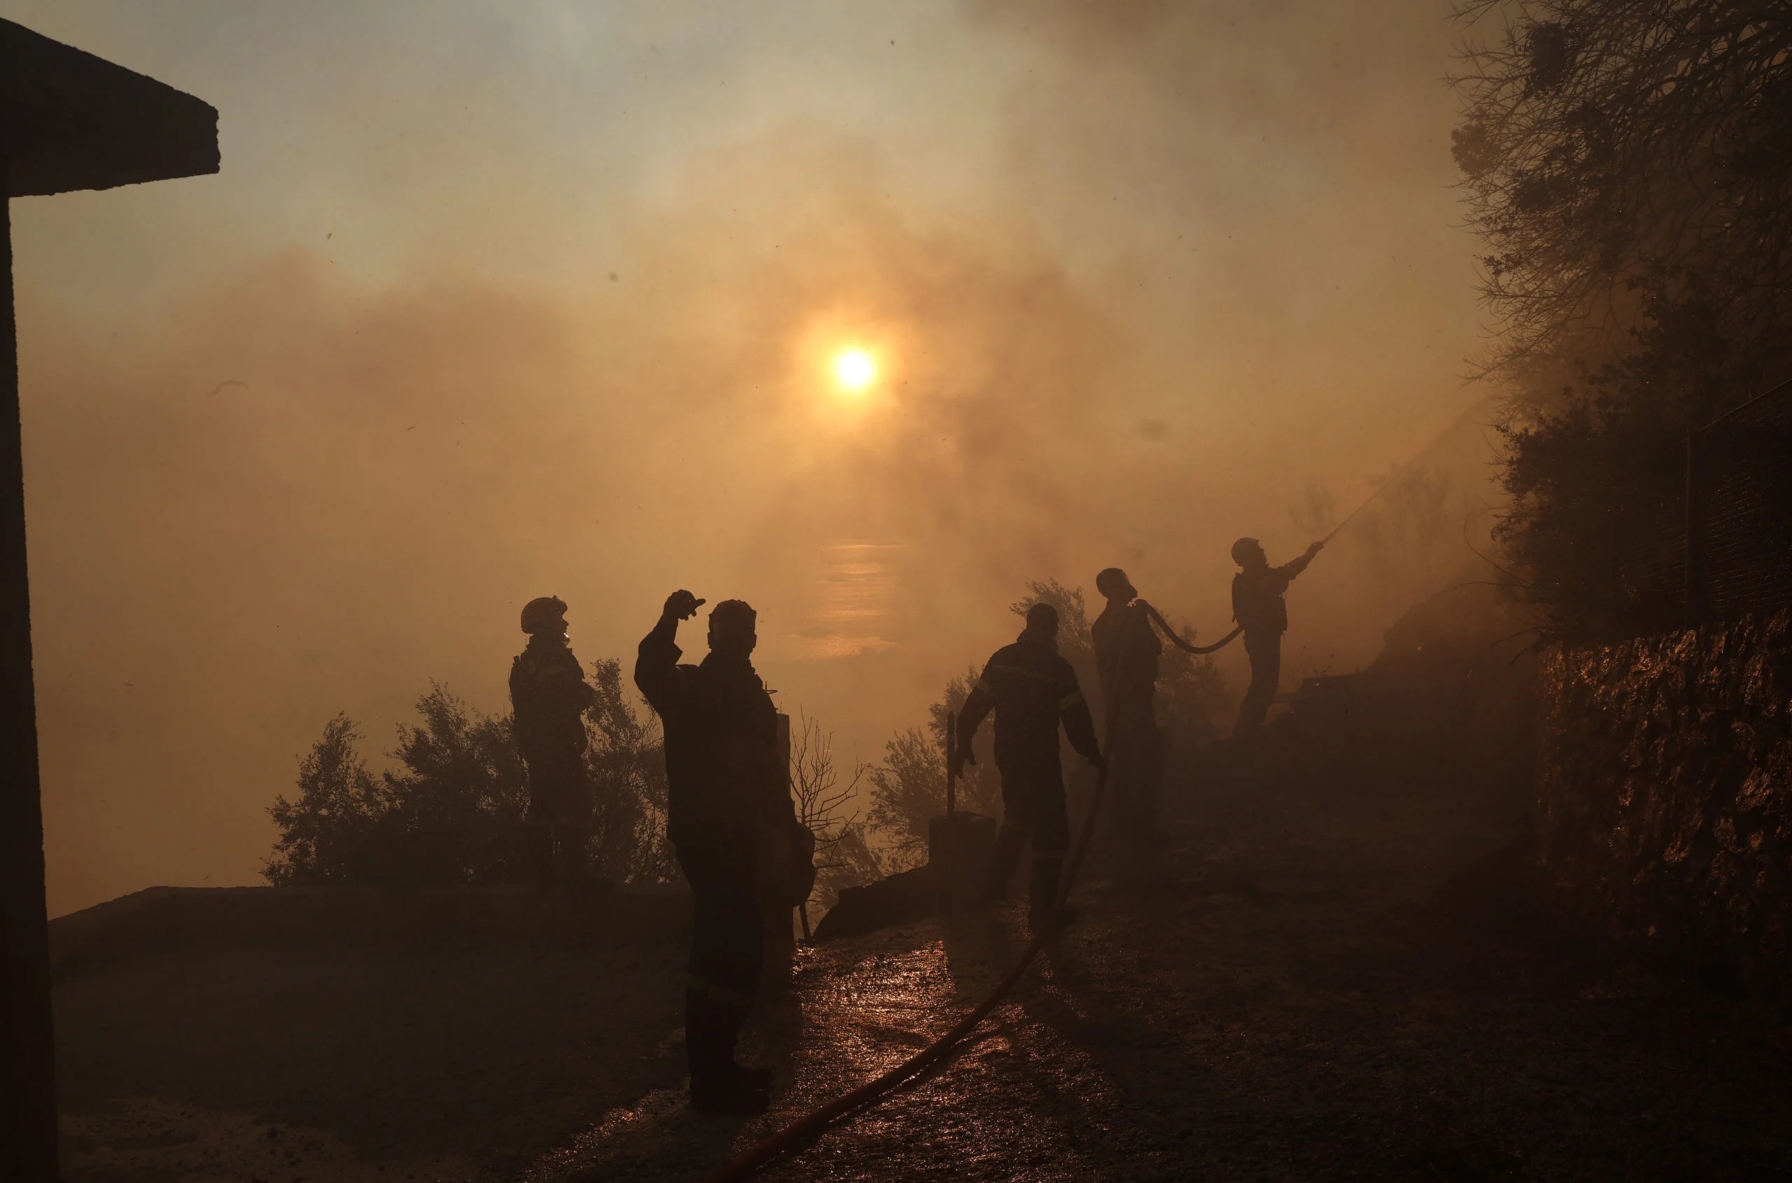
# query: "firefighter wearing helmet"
1260, 610
548, 697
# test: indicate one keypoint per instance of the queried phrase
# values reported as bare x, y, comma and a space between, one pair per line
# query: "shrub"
451, 812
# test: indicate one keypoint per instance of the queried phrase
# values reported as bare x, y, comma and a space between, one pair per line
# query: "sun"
854, 370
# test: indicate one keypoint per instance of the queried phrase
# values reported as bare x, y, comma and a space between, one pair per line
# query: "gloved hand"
960, 758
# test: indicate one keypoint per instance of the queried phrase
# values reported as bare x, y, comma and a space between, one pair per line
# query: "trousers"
1135, 766
1033, 807
1265, 651
557, 824
559, 788
727, 945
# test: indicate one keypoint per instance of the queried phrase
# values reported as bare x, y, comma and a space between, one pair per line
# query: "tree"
1629, 163
843, 857
459, 795
628, 768
328, 835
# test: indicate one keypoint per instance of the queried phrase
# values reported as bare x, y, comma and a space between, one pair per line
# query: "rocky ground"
1334, 971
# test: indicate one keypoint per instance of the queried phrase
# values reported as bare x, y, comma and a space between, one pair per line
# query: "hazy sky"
505, 299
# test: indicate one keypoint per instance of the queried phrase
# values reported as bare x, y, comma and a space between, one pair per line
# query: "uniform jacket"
1257, 601
1030, 688
548, 697
1126, 653
723, 763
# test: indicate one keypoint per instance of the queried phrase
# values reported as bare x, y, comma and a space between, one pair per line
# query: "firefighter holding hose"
1031, 689
1261, 611
1126, 656
1127, 651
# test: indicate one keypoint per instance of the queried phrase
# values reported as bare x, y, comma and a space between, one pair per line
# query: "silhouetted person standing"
548, 697
1126, 657
1031, 688
725, 781
1259, 608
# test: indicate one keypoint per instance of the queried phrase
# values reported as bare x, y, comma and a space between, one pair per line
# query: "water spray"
1376, 492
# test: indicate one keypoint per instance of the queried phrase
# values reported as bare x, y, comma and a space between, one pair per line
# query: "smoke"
1201, 260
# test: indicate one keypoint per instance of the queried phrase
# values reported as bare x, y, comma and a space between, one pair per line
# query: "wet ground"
1323, 977
1319, 981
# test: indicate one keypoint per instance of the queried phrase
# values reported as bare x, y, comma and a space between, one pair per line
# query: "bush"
628, 770
452, 811
330, 835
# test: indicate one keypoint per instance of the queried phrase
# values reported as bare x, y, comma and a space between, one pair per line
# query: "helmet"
1042, 617
543, 612
1244, 548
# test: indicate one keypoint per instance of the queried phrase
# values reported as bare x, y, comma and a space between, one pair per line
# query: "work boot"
718, 1083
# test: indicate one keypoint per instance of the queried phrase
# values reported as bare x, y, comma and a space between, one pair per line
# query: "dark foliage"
452, 811
332, 834
1598, 488
1630, 165
628, 771
457, 799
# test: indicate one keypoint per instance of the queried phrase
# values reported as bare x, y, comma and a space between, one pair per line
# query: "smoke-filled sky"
506, 299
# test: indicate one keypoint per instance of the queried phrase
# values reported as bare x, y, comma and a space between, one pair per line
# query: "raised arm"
656, 659
1294, 567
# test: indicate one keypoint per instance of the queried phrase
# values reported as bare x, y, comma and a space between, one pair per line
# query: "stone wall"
1666, 789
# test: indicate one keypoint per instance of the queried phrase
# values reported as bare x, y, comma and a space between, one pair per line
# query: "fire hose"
813, 1123
1176, 638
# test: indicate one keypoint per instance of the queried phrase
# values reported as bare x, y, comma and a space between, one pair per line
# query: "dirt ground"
272, 1036
1329, 974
